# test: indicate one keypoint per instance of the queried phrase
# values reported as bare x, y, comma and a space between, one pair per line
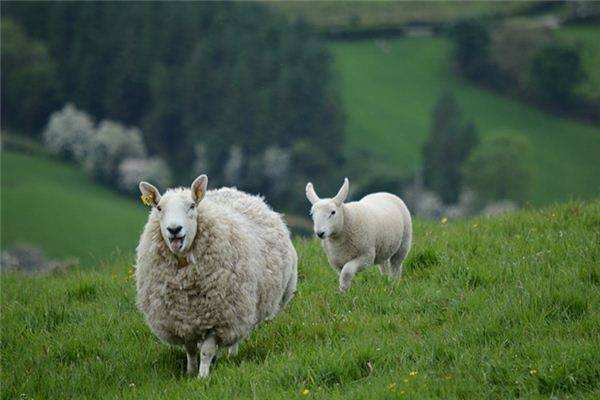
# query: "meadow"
487, 308
55, 206
389, 88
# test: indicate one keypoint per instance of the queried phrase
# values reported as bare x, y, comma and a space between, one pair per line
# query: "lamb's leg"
192, 358
350, 269
207, 353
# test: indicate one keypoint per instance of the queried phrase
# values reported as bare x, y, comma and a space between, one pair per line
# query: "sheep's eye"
333, 212
192, 206
159, 208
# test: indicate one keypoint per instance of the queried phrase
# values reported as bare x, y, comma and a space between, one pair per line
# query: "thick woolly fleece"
377, 228
242, 271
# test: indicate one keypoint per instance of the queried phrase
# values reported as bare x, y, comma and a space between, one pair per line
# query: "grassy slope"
389, 97
55, 206
373, 14
488, 308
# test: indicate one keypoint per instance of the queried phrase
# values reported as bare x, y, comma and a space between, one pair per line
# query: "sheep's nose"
320, 234
174, 230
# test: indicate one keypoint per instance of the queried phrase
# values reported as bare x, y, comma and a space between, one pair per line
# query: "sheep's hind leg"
233, 349
385, 267
208, 349
192, 358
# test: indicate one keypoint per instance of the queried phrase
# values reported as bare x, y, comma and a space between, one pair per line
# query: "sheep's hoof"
203, 371
233, 350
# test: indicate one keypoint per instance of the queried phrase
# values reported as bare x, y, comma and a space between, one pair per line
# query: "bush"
134, 170
497, 169
513, 48
69, 133
555, 73
112, 144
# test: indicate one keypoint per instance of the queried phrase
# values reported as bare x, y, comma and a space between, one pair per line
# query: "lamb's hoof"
344, 287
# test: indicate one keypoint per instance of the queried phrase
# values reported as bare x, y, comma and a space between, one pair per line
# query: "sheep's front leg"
350, 269
192, 358
207, 353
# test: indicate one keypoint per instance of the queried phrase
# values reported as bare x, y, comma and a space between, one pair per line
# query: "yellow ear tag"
147, 199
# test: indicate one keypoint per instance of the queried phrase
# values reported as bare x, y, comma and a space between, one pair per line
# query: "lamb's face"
178, 220
327, 214
328, 218
177, 212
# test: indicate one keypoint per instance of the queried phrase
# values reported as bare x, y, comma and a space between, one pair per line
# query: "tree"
471, 49
448, 146
497, 169
555, 73
28, 80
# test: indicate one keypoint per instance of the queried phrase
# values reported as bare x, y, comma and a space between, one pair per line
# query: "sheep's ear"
150, 194
199, 188
310, 193
340, 198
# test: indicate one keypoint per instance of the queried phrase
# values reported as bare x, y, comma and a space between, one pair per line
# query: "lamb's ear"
150, 194
199, 188
340, 198
310, 193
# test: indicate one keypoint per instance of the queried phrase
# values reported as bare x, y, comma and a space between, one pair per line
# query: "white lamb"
375, 230
211, 267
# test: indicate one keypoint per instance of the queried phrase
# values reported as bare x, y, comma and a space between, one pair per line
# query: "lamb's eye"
333, 212
159, 208
192, 206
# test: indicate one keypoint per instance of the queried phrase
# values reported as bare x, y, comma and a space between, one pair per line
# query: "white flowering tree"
69, 133
112, 144
134, 170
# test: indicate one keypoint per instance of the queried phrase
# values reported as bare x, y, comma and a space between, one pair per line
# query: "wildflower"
475, 225
392, 386
413, 373
405, 380
444, 220
533, 371
402, 392
305, 392
147, 199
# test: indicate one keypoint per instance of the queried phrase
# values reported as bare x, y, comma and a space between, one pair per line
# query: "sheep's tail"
398, 258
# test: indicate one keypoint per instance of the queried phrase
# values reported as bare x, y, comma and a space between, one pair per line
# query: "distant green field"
389, 89
588, 37
374, 14
56, 207
496, 308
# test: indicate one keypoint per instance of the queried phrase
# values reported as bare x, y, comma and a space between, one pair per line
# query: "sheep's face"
177, 212
327, 214
178, 219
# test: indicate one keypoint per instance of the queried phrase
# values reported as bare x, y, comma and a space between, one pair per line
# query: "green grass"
56, 207
389, 95
487, 308
588, 37
377, 14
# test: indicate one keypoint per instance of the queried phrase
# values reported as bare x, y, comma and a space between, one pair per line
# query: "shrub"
471, 49
555, 73
497, 169
134, 170
69, 133
112, 144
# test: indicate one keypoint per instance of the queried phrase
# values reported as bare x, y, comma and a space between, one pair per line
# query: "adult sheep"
375, 230
211, 265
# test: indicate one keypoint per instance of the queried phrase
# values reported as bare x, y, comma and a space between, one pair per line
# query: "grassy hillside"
377, 14
55, 206
487, 308
389, 89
